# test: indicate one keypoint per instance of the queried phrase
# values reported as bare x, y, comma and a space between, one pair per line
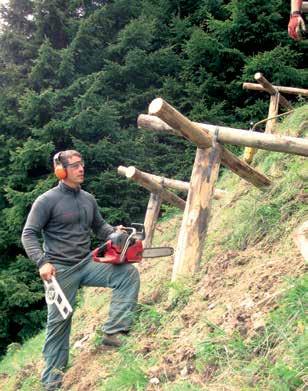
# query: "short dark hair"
65, 155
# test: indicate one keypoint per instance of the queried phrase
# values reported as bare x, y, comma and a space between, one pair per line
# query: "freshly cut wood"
271, 90
151, 218
272, 112
172, 183
285, 90
152, 185
197, 213
202, 139
178, 121
270, 142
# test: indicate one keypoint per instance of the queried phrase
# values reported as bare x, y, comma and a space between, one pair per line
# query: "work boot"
112, 340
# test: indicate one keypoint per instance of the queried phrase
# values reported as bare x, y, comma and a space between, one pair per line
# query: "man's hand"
47, 271
296, 26
120, 228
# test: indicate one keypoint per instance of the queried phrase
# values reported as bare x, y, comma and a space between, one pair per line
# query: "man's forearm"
296, 5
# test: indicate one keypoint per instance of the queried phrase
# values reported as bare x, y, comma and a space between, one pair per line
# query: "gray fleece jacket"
65, 217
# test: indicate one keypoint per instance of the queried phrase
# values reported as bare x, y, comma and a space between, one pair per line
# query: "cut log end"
258, 76
155, 106
130, 172
122, 170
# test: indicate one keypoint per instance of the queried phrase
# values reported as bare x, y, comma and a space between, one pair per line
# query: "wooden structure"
158, 195
210, 154
276, 100
203, 140
241, 137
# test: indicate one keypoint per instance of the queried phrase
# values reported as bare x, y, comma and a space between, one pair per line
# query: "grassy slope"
237, 325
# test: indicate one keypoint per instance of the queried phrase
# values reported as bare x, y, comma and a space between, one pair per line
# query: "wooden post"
272, 112
197, 212
176, 120
151, 218
276, 143
152, 185
271, 90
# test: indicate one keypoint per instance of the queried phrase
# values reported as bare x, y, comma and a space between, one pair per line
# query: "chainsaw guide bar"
157, 252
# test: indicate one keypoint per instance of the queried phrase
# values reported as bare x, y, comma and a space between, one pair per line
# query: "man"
296, 23
66, 215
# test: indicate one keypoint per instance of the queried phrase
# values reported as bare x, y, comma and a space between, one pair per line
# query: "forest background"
76, 74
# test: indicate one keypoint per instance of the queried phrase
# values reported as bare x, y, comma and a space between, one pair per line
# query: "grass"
128, 373
17, 359
275, 359
260, 215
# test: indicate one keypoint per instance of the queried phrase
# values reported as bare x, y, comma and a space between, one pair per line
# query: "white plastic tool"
55, 295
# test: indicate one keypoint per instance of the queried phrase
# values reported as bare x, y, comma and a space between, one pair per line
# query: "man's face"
75, 170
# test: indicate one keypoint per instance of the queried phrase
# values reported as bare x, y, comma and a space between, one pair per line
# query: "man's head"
69, 167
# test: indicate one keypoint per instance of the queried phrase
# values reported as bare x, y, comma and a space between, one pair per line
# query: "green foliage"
21, 296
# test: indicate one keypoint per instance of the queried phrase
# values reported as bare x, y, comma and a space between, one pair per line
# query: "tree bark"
202, 139
151, 218
197, 213
172, 183
276, 143
272, 112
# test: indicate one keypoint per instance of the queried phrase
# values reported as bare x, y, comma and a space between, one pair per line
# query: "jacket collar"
67, 189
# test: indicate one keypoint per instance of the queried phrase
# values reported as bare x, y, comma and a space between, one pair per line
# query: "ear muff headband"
59, 170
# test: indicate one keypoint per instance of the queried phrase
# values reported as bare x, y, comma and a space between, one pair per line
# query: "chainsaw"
126, 247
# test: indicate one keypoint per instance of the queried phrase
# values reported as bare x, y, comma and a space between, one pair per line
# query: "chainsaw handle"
140, 233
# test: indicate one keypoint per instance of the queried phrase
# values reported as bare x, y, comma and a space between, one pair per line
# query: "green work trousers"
124, 281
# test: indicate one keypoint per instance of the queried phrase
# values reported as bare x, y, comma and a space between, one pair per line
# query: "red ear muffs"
59, 170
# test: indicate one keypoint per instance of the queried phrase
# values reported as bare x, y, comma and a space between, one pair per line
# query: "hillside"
239, 324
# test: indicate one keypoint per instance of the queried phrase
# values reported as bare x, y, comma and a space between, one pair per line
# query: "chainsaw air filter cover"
118, 240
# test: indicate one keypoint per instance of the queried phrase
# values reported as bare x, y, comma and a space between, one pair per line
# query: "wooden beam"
152, 185
190, 130
197, 213
172, 183
271, 90
285, 90
151, 218
276, 143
